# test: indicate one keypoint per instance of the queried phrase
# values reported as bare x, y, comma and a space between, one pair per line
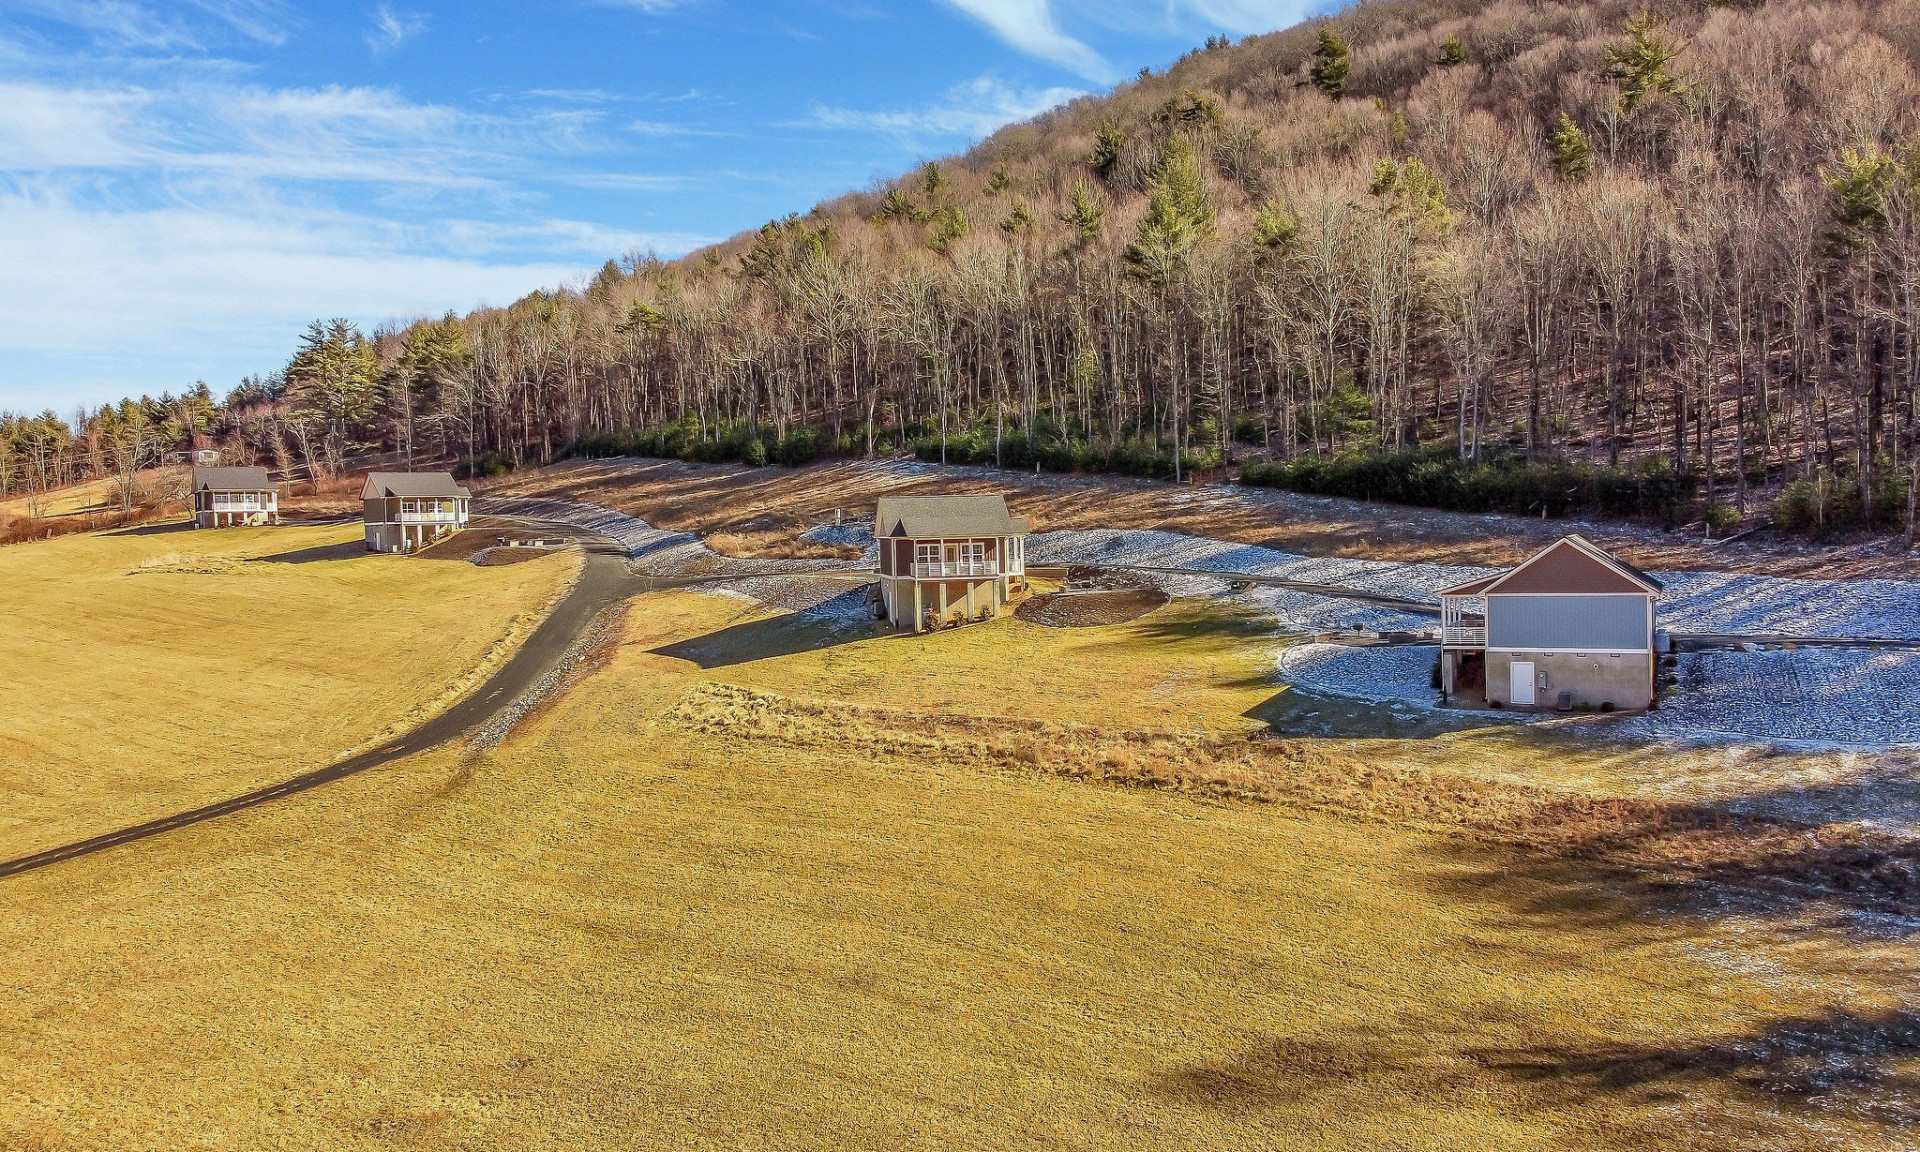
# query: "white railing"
960, 568
240, 504
1464, 637
428, 518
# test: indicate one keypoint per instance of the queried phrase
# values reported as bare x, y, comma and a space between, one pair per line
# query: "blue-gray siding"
1568, 623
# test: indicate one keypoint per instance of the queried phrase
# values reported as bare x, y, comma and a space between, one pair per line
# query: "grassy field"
621, 931
151, 671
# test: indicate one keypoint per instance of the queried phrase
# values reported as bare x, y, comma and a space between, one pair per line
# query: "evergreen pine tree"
1452, 52
1572, 155
1331, 63
1086, 212
1109, 143
1639, 64
1180, 215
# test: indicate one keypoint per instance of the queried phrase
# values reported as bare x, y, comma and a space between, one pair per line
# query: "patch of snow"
1821, 698
1397, 675
1827, 697
1716, 602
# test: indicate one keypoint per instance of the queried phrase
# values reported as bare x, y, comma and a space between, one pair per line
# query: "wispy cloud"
392, 29
123, 25
970, 111
1029, 25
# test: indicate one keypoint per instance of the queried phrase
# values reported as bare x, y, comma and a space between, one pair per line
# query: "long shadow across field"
764, 639
604, 582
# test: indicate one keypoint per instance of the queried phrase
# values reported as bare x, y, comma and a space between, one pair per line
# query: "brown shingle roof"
231, 480
1571, 566
381, 485
951, 517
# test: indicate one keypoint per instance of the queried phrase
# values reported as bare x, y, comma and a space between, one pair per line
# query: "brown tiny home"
224, 497
1572, 627
407, 511
945, 559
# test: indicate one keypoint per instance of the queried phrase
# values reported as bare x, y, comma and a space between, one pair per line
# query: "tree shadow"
1865, 1065
346, 550
1291, 712
769, 637
1790, 1070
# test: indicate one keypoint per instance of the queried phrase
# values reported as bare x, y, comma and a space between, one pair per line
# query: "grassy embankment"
675, 911
152, 672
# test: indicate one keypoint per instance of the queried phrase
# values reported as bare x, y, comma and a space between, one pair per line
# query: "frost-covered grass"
1825, 697
1717, 602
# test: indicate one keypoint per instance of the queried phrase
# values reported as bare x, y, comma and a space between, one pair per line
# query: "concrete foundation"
1593, 680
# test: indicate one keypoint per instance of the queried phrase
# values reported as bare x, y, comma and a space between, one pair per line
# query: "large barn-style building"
406, 511
1572, 627
948, 557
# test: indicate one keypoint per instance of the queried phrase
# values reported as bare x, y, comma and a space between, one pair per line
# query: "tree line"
1475, 239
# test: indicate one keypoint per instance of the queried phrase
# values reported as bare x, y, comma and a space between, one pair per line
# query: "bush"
1830, 501
799, 446
484, 465
1502, 481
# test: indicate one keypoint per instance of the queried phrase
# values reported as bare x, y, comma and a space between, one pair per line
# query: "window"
975, 553
926, 553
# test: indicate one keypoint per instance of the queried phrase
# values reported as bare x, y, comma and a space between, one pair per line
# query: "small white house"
224, 497
407, 511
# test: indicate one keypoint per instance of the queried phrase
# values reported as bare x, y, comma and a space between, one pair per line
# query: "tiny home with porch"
1572, 627
407, 511
945, 559
224, 497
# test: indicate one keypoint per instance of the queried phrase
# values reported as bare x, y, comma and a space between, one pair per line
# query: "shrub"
1501, 481
799, 446
484, 465
1830, 501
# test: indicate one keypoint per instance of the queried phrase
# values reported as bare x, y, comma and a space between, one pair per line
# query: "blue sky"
184, 185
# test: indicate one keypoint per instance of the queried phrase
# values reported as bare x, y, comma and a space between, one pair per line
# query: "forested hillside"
1505, 254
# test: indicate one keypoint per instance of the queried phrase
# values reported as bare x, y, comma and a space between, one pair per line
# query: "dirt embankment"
763, 511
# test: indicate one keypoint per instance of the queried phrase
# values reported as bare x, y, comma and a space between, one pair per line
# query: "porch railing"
957, 568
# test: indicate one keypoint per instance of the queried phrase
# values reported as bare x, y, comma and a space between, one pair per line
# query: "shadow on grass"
765, 639
164, 529
1838, 1061
1291, 712
1780, 1078
346, 550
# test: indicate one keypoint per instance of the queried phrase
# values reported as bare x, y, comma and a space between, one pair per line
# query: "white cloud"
1194, 18
971, 110
127, 24
1029, 26
110, 303
392, 29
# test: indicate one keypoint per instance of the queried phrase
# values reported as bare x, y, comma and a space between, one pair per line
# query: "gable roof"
935, 517
231, 480
381, 485
1570, 566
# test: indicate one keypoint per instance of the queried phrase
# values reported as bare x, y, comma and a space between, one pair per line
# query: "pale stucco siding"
1624, 681
1578, 623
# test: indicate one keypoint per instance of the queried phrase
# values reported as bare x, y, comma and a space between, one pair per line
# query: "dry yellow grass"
616, 933
1187, 665
152, 672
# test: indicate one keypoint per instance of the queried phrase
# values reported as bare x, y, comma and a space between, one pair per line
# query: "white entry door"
1522, 692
